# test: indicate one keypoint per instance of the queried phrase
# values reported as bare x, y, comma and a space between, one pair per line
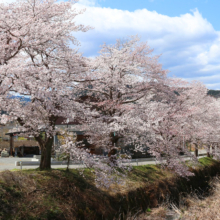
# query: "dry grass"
204, 209
155, 214
150, 214
193, 207
58, 194
47, 195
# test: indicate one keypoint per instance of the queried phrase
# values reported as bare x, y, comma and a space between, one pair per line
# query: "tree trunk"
46, 148
68, 162
112, 151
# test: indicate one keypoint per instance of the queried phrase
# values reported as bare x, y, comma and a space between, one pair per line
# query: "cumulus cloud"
189, 44
7, 1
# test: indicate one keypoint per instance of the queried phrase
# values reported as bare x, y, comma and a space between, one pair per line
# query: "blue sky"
185, 32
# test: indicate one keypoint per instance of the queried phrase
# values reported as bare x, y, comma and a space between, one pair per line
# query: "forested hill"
22, 98
214, 93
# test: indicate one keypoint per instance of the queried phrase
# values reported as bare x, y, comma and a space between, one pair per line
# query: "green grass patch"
148, 174
207, 161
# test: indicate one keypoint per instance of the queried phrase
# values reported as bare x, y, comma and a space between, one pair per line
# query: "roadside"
8, 163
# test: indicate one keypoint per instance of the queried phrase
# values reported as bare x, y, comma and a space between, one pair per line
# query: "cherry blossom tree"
120, 77
212, 124
177, 119
188, 115
38, 62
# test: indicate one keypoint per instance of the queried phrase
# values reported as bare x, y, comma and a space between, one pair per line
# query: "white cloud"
7, 1
189, 44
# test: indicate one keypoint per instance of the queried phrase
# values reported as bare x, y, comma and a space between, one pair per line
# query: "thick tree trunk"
45, 144
46, 149
112, 151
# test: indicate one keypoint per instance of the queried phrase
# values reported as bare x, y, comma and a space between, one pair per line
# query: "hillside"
214, 93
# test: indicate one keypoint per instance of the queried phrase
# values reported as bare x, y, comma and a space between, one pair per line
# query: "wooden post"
196, 150
22, 150
208, 150
11, 144
16, 151
213, 149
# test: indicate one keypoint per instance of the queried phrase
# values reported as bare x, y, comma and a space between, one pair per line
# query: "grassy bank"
58, 194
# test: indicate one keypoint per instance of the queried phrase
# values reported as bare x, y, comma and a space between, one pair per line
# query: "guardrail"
137, 161
37, 163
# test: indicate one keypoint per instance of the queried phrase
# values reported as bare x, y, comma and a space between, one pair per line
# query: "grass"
145, 175
205, 208
192, 207
60, 194
207, 161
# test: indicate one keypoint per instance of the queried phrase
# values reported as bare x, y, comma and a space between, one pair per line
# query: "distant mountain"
22, 98
211, 92
214, 93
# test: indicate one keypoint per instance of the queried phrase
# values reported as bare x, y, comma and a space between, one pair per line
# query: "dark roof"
9, 133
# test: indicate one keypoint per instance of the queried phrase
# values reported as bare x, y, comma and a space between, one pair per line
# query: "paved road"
9, 162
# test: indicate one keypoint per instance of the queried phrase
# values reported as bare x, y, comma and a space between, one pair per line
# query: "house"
31, 147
